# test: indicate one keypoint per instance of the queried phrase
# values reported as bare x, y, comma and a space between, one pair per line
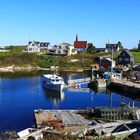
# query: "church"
80, 46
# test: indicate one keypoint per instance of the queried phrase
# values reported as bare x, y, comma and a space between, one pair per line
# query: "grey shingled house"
125, 58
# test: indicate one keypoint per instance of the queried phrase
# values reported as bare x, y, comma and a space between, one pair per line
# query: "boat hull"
56, 87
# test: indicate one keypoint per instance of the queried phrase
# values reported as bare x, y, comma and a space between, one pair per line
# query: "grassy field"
83, 60
24, 59
136, 55
45, 61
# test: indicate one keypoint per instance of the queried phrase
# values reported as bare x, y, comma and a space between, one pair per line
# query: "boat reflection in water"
100, 90
54, 96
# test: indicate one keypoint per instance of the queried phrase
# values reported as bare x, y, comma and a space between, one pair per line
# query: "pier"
124, 82
125, 86
63, 120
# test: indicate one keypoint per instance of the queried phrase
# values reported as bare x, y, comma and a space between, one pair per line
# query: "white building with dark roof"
34, 46
114, 47
65, 49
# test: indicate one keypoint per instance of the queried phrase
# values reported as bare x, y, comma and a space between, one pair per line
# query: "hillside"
136, 55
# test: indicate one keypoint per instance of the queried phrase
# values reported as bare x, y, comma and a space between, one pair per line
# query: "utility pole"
111, 61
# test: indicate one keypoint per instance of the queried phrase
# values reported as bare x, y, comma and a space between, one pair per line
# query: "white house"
34, 46
65, 49
114, 47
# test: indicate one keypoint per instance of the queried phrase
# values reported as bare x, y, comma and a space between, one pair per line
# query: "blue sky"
56, 21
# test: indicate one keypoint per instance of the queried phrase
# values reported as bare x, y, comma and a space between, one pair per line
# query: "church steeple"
76, 37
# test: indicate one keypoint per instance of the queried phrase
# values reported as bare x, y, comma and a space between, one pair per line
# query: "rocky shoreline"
36, 68
18, 68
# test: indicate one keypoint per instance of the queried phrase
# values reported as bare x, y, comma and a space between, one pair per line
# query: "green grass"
24, 59
45, 60
136, 56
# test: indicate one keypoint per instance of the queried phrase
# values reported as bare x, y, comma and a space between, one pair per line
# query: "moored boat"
53, 82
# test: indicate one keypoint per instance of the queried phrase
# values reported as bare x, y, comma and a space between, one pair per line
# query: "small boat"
53, 82
119, 130
79, 83
26, 132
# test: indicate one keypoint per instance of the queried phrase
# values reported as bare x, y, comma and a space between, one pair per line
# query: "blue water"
19, 97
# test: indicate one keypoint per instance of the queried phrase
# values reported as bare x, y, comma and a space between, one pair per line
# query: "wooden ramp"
68, 117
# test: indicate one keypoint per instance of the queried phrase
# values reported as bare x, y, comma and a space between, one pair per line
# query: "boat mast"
111, 61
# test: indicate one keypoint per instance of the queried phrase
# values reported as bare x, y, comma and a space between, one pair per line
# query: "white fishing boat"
53, 82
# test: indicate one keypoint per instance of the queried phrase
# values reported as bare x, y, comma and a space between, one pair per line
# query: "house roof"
129, 53
65, 44
44, 44
112, 45
34, 44
80, 44
109, 59
39, 44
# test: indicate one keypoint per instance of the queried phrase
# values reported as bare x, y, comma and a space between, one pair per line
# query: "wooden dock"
125, 87
124, 82
69, 119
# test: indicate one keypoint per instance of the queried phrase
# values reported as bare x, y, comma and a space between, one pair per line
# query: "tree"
91, 48
15, 49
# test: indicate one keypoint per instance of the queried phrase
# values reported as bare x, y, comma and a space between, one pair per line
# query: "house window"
30, 49
120, 59
126, 59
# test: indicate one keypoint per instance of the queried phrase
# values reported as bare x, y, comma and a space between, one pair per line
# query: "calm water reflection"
20, 96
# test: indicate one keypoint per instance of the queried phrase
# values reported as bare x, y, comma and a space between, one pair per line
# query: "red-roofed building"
80, 45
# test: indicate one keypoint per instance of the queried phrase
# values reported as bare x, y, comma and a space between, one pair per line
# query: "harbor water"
20, 96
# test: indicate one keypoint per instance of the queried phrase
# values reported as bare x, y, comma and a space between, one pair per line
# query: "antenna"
108, 41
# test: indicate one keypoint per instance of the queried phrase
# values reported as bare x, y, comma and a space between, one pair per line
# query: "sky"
57, 21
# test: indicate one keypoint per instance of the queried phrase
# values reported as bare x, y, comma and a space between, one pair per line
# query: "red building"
80, 45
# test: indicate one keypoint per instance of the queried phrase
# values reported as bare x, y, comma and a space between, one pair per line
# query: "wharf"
124, 82
125, 87
66, 119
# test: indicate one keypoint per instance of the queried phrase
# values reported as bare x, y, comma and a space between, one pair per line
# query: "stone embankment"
21, 68
32, 68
